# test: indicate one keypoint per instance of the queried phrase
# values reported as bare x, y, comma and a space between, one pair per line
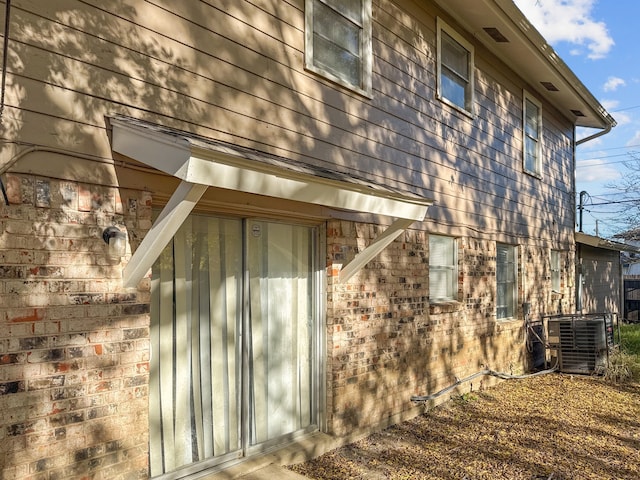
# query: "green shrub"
624, 361
630, 334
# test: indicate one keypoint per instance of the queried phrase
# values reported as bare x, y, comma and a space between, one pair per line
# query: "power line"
623, 109
614, 203
634, 154
606, 194
610, 148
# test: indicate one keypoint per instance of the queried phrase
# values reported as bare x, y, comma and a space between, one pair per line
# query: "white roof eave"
530, 56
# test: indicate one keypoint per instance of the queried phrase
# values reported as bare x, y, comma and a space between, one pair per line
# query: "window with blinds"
506, 278
555, 270
443, 269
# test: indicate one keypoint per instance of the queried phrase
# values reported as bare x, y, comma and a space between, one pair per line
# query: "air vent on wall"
496, 34
550, 86
578, 113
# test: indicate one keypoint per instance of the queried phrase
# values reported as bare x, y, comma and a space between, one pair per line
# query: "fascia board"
530, 56
225, 173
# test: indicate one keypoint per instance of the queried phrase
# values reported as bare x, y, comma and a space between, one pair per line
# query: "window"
506, 278
443, 269
532, 122
455, 68
555, 270
338, 41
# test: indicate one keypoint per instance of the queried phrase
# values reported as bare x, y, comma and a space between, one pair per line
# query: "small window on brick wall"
443, 269
506, 280
555, 270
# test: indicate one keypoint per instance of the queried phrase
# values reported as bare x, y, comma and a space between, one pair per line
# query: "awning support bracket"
180, 205
379, 244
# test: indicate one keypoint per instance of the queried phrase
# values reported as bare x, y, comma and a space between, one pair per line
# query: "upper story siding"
234, 71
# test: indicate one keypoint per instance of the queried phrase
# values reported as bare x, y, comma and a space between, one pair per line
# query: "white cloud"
621, 118
610, 104
595, 171
568, 21
613, 83
635, 140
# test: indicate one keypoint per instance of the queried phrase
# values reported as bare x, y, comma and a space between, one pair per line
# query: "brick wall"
74, 347
387, 343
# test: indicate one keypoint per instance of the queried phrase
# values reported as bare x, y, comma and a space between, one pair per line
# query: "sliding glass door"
280, 265
233, 333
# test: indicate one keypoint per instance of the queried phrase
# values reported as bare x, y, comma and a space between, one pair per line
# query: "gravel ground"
549, 427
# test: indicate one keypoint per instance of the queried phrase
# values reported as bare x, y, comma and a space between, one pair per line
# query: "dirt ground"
548, 427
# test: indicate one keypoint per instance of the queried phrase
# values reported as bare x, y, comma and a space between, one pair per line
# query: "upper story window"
443, 269
506, 281
455, 68
532, 135
338, 41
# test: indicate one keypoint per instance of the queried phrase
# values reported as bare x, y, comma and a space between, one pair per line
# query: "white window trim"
454, 281
468, 109
365, 47
516, 263
537, 172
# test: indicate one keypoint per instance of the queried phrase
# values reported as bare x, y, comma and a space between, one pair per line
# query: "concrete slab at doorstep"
270, 465
272, 472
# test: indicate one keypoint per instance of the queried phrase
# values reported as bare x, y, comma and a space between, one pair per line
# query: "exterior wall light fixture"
117, 242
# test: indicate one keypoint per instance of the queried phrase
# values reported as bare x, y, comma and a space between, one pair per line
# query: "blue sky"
600, 41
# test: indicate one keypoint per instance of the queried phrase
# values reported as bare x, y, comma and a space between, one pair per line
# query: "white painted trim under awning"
200, 163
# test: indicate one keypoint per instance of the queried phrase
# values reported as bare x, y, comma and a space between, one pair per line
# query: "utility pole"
580, 209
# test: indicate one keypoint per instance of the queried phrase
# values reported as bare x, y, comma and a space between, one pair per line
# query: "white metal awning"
201, 163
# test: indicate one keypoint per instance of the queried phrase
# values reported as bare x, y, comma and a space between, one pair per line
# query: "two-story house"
226, 225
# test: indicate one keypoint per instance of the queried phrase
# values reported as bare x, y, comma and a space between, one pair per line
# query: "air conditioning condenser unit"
579, 344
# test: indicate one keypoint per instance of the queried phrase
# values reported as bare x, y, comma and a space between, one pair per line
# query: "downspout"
580, 275
606, 130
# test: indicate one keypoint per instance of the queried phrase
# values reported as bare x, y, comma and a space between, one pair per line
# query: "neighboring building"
630, 259
631, 274
600, 274
326, 207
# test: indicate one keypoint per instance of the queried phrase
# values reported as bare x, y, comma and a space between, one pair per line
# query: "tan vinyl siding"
229, 68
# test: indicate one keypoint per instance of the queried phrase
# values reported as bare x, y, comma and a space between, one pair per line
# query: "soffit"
530, 56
